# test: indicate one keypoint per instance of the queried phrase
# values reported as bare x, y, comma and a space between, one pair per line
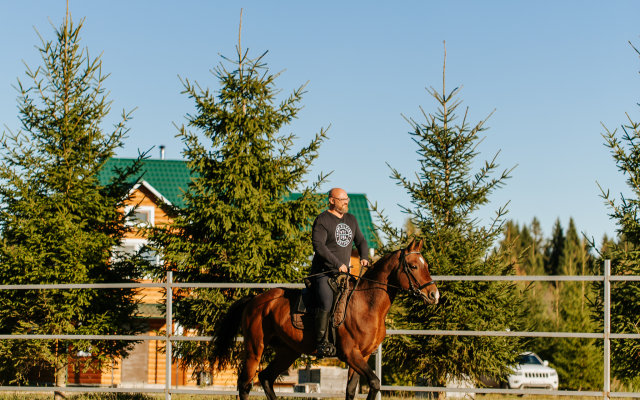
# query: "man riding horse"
334, 232
265, 320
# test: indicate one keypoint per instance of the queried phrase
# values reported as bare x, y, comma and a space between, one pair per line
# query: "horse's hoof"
245, 389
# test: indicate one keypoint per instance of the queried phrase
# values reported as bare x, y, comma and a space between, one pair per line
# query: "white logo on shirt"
343, 235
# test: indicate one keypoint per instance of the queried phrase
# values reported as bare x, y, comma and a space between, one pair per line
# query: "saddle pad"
300, 319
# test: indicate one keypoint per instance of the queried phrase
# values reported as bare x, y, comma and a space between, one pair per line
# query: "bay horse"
266, 321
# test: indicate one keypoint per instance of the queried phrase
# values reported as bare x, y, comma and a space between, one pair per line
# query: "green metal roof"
171, 179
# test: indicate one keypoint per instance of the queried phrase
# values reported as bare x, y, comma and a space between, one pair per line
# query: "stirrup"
325, 349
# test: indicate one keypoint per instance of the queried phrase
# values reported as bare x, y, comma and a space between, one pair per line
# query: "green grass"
142, 396
81, 396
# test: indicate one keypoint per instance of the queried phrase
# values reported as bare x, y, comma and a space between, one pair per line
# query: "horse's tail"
226, 329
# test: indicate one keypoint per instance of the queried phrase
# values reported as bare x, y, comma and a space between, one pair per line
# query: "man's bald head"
337, 193
338, 201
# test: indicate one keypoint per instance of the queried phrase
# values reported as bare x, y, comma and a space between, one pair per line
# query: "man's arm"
361, 245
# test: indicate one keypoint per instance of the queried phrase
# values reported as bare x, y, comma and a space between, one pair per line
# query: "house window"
152, 257
130, 247
139, 216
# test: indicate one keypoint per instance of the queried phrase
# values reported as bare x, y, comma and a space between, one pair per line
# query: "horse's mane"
384, 260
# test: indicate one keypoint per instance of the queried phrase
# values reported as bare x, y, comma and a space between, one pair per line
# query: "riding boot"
323, 347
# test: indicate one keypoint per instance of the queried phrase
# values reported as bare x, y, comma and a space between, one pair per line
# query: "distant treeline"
561, 306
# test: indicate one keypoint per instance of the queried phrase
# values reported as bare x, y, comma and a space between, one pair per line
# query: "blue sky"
553, 71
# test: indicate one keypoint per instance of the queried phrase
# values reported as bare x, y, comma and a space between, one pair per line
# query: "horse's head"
413, 274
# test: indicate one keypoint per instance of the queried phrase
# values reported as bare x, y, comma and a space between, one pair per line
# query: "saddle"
302, 312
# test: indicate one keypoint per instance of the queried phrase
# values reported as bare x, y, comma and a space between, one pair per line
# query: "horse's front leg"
352, 384
358, 362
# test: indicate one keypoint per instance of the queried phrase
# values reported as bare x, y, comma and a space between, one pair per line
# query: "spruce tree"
239, 222
512, 245
445, 196
536, 251
58, 224
533, 264
578, 361
555, 249
524, 246
624, 253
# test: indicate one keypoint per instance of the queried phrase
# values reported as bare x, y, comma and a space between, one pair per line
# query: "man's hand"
364, 263
343, 268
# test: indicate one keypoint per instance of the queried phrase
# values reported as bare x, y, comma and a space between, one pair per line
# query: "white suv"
532, 372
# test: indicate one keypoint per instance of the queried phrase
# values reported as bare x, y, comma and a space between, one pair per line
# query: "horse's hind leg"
284, 357
253, 349
352, 384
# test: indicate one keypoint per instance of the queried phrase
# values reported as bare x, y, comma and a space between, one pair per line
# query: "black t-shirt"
333, 238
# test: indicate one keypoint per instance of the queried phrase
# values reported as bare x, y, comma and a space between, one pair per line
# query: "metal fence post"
379, 369
607, 329
169, 331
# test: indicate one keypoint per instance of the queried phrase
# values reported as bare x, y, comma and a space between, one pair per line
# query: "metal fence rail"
169, 338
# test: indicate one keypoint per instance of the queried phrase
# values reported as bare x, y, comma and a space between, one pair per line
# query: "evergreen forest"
556, 306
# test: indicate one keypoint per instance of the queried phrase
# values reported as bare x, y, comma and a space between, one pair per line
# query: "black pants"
322, 292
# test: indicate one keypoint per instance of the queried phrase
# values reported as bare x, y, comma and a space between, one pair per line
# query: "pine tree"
524, 246
555, 249
578, 361
625, 252
444, 198
536, 251
511, 245
535, 292
239, 223
58, 224
572, 260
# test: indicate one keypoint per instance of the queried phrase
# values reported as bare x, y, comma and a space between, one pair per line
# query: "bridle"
415, 288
